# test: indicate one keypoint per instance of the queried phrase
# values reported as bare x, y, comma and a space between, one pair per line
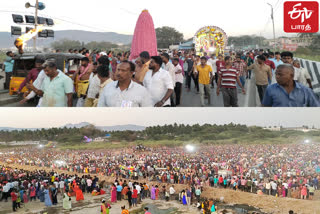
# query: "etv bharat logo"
301, 17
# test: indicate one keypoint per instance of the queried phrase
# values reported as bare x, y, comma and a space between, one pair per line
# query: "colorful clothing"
240, 66
113, 194
204, 74
47, 199
228, 80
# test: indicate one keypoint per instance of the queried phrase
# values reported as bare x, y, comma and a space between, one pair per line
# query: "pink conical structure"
144, 38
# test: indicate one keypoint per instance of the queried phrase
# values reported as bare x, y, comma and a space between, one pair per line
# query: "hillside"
169, 135
128, 127
6, 40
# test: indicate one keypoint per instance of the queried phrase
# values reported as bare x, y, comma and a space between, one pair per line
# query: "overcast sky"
56, 117
245, 17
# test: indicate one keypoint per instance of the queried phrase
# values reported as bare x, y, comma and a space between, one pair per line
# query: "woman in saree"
153, 193
47, 199
157, 192
113, 193
184, 197
78, 191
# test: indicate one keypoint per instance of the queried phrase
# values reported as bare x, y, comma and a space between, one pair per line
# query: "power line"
129, 12
277, 6
64, 20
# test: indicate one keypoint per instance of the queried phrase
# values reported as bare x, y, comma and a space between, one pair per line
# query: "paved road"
192, 99
188, 99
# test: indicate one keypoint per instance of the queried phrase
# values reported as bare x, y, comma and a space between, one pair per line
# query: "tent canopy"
186, 46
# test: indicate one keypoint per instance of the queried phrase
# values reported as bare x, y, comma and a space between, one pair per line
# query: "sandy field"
267, 204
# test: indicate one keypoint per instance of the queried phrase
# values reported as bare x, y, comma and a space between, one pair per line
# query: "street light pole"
274, 32
35, 26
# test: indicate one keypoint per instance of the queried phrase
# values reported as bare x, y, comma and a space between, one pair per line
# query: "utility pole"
274, 33
35, 26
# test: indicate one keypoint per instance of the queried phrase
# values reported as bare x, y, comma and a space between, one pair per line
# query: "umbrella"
144, 38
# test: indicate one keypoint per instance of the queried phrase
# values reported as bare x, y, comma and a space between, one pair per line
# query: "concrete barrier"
314, 71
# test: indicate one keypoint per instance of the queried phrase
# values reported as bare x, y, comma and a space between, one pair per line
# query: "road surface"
188, 99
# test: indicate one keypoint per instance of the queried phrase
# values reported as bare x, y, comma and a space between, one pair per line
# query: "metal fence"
314, 71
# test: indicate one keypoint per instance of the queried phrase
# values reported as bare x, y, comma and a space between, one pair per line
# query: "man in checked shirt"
241, 66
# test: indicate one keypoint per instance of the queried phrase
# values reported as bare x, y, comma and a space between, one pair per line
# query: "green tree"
101, 45
167, 36
66, 44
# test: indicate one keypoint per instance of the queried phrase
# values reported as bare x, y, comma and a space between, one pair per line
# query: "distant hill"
18, 129
6, 40
128, 127
122, 128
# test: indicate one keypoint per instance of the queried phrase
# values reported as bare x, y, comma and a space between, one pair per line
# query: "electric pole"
35, 26
274, 33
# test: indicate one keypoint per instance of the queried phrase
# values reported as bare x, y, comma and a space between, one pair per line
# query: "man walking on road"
262, 74
178, 80
190, 75
242, 68
228, 79
168, 66
271, 64
304, 77
287, 58
158, 83
124, 92
205, 75
249, 62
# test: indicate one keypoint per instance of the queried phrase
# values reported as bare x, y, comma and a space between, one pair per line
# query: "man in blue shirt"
8, 68
277, 61
287, 92
119, 189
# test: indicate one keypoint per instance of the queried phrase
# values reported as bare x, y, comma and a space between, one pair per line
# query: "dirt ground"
268, 204
91, 205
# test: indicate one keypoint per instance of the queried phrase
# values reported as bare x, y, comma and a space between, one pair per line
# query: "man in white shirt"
171, 192
94, 87
304, 77
15, 184
130, 185
168, 66
268, 188
56, 184
286, 187
61, 186
5, 192
274, 188
287, 58
213, 62
125, 92
138, 188
38, 84
89, 183
178, 80
159, 83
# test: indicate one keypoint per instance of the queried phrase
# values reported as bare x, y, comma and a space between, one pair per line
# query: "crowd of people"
103, 79
291, 170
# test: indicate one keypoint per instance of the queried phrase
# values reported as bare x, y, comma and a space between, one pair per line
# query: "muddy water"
154, 209
233, 209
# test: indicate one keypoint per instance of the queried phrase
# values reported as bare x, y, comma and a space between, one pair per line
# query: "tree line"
166, 36
175, 131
